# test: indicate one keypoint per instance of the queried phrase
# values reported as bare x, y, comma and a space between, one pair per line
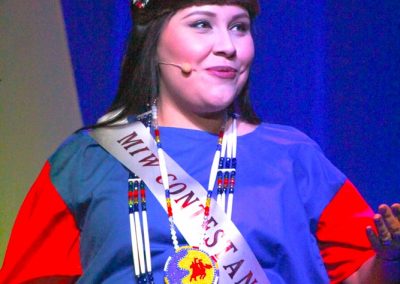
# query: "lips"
223, 72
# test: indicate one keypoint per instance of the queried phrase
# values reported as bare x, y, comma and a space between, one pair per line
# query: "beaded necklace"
226, 175
192, 258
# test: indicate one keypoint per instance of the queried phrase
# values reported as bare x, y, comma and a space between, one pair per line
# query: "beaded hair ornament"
140, 3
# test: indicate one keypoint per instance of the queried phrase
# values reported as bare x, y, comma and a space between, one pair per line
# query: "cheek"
245, 51
179, 49
248, 54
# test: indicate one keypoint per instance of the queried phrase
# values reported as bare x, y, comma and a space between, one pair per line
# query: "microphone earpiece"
186, 68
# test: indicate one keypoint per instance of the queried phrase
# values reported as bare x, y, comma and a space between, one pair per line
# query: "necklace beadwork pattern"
223, 170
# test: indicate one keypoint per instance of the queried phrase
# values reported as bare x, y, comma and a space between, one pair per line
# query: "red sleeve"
341, 233
44, 243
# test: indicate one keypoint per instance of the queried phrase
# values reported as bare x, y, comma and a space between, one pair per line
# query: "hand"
387, 242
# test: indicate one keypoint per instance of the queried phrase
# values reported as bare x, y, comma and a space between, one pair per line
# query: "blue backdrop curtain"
329, 68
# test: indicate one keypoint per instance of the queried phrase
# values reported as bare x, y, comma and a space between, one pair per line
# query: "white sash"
135, 148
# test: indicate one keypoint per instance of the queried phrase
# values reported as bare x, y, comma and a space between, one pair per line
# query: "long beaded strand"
138, 218
146, 237
133, 207
227, 170
139, 228
232, 169
220, 174
211, 183
164, 177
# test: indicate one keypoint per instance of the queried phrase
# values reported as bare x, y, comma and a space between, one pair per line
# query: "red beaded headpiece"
143, 11
140, 3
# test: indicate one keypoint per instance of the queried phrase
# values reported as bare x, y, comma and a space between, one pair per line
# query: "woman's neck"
172, 116
210, 122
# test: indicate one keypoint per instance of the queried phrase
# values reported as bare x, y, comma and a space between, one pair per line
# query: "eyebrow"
212, 14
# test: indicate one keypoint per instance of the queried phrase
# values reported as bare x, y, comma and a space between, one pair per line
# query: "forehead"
225, 11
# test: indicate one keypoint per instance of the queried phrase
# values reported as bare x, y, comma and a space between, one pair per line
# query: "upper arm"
44, 241
341, 234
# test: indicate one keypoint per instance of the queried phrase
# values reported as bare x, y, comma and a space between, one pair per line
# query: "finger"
396, 210
391, 222
383, 231
373, 238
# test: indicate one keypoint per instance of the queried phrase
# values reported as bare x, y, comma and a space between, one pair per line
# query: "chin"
222, 104
222, 95
214, 109
212, 114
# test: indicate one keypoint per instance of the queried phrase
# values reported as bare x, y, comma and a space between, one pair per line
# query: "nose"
224, 45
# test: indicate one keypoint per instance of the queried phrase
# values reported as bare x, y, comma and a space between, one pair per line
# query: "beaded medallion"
190, 264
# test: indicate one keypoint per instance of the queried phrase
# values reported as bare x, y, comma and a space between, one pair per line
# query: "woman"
295, 218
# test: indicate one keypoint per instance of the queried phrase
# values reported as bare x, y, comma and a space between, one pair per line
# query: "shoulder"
307, 158
286, 143
80, 152
79, 165
77, 143
279, 135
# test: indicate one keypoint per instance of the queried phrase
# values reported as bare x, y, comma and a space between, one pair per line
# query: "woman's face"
217, 42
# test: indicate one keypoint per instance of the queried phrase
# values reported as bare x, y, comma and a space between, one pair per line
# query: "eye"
242, 27
201, 24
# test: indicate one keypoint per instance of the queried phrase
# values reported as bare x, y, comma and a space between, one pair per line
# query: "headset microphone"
186, 68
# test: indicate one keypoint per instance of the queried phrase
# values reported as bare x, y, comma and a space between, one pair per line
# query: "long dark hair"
140, 75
